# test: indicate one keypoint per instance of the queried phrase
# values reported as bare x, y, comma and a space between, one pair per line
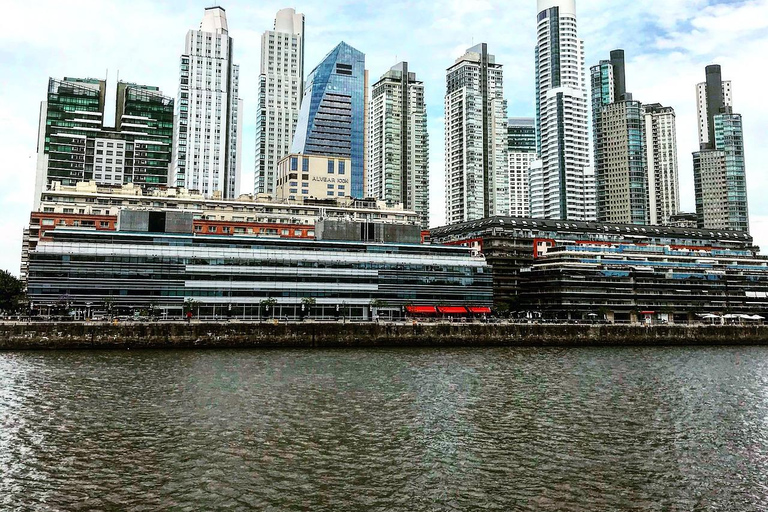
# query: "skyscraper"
661, 160
281, 85
718, 168
711, 98
398, 160
564, 190
74, 144
476, 175
521, 153
621, 174
333, 118
209, 123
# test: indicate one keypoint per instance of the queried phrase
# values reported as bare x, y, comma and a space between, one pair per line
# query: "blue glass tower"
332, 118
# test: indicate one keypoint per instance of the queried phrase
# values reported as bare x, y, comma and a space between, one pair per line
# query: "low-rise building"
301, 177
154, 262
514, 247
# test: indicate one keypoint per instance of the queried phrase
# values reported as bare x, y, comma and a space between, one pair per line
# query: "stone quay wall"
134, 335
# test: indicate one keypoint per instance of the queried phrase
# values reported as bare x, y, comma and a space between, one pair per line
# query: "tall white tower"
476, 173
565, 189
209, 123
281, 84
398, 150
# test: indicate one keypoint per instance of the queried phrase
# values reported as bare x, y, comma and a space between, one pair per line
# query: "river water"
394, 429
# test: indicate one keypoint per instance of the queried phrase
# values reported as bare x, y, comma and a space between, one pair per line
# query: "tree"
268, 304
307, 303
11, 292
190, 305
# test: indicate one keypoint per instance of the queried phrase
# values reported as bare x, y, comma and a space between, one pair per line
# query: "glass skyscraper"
332, 120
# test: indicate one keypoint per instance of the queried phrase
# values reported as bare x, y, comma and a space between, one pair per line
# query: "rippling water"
492, 429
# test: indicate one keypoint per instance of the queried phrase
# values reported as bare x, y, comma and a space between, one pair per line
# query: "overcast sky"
668, 43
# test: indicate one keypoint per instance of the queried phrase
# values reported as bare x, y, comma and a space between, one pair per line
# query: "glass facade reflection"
332, 119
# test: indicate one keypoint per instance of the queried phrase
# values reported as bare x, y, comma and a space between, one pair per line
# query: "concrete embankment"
320, 335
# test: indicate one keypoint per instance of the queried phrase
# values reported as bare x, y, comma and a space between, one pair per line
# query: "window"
341, 167
305, 164
294, 163
330, 166
47, 222
211, 229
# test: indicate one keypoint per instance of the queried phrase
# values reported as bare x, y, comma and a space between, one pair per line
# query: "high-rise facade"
711, 98
621, 175
209, 122
521, 153
333, 118
563, 188
661, 160
476, 167
281, 83
718, 168
398, 155
74, 145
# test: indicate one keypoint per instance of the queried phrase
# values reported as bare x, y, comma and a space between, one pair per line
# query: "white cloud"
667, 43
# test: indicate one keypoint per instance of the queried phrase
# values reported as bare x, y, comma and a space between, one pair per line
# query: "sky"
668, 43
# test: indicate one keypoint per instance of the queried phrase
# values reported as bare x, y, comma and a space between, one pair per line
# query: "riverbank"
38, 336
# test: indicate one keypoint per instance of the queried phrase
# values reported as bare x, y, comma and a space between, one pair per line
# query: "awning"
420, 309
647, 312
480, 311
452, 310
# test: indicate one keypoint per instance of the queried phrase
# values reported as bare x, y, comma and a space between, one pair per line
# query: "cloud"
667, 44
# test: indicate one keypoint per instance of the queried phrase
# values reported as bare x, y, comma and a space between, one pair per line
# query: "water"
493, 429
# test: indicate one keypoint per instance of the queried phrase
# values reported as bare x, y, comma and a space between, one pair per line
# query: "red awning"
452, 310
484, 311
647, 312
420, 309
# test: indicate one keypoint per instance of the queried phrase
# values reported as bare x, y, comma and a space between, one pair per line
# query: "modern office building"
301, 177
334, 118
719, 170
75, 146
476, 168
661, 160
562, 138
155, 262
398, 153
281, 84
209, 121
521, 153
618, 122
92, 206
670, 268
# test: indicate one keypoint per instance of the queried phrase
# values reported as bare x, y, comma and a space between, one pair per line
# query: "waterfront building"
334, 118
511, 244
281, 84
564, 189
209, 121
301, 177
718, 168
476, 167
618, 122
91, 206
398, 155
521, 153
75, 146
154, 261
661, 160
684, 220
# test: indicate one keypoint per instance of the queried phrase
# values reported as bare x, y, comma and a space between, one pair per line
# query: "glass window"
330, 166
294, 163
305, 164
341, 167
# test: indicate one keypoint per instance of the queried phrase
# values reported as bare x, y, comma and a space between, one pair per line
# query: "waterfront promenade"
136, 335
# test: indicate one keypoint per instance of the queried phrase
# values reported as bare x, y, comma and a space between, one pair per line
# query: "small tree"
189, 307
375, 305
11, 292
307, 303
268, 304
